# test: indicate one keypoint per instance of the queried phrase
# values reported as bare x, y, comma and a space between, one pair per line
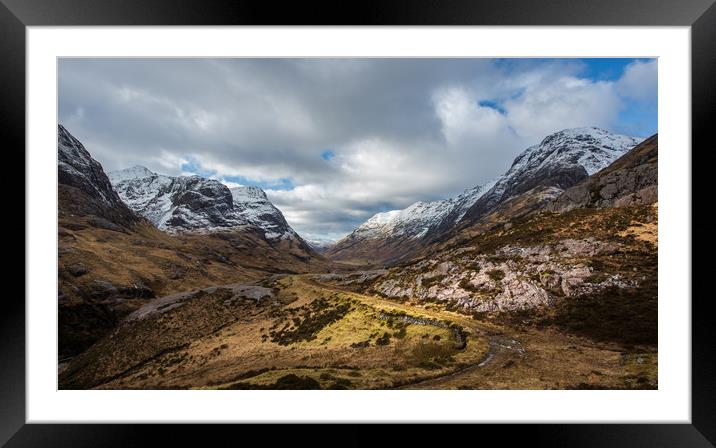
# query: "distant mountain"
560, 160
257, 210
320, 245
193, 204
391, 233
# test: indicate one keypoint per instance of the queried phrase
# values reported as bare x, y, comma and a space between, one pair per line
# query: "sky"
334, 141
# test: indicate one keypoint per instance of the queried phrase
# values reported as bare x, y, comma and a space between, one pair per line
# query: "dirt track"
499, 346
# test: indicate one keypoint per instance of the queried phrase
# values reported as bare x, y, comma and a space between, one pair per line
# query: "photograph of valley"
335, 223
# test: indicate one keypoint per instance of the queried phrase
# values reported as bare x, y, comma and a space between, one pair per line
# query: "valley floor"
297, 332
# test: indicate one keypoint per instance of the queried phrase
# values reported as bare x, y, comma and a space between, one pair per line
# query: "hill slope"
112, 261
389, 235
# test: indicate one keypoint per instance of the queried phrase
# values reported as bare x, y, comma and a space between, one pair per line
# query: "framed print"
239, 220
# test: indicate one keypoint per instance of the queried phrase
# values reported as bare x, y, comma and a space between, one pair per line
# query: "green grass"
317, 315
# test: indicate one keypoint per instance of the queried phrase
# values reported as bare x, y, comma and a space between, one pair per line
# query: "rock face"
193, 204
509, 279
560, 161
84, 188
632, 179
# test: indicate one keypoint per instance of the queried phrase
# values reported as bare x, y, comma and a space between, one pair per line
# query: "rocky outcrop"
84, 188
521, 257
632, 179
513, 278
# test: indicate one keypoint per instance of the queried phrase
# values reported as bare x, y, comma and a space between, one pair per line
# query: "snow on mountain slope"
253, 205
593, 148
198, 205
418, 219
135, 172
320, 245
560, 160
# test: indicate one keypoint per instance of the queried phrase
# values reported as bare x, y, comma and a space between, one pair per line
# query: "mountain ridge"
560, 160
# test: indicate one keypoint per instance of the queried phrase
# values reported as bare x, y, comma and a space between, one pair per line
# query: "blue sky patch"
492, 105
605, 69
328, 155
193, 166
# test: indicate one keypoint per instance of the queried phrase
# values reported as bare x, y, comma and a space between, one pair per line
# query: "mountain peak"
560, 160
248, 194
589, 147
134, 172
583, 130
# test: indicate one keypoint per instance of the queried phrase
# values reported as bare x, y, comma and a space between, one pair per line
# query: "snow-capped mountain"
560, 160
198, 205
320, 245
420, 218
389, 233
83, 184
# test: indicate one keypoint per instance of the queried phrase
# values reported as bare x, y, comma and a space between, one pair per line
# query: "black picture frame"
700, 15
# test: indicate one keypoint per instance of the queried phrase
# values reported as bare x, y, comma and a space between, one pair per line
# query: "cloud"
333, 141
639, 81
570, 101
